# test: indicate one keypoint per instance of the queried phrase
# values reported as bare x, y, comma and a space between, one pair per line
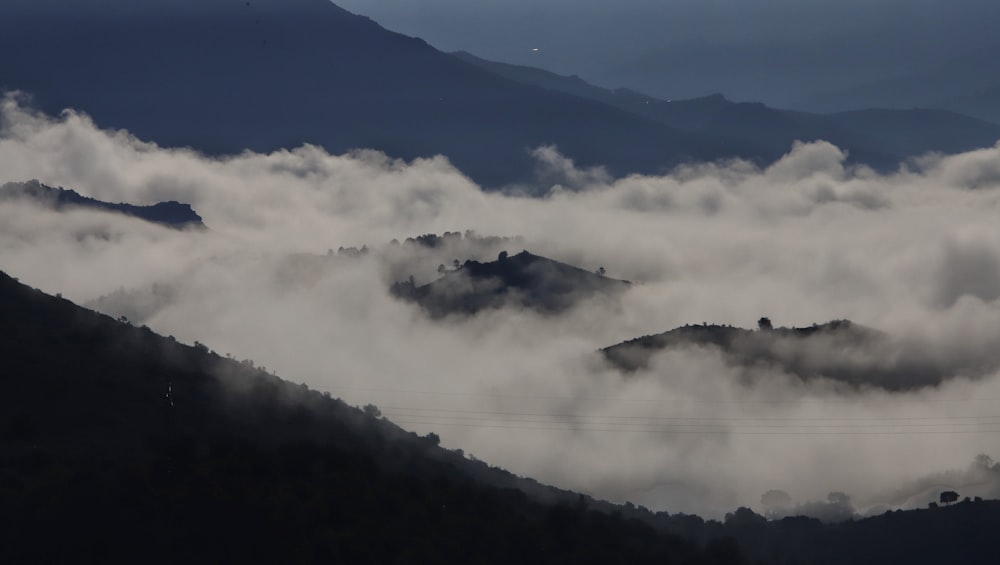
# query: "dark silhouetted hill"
171, 214
225, 75
119, 445
840, 350
522, 280
875, 137
959, 533
293, 272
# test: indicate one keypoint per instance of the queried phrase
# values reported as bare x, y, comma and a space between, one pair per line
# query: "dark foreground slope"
227, 75
523, 280
118, 445
961, 533
171, 214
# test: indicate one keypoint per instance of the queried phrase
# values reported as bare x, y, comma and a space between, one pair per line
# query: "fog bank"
915, 254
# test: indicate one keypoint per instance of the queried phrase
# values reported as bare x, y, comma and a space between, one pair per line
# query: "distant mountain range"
171, 214
522, 280
969, 83
880, 138
223, 76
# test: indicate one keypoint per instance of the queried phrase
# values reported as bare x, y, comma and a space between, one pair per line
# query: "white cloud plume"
809, 239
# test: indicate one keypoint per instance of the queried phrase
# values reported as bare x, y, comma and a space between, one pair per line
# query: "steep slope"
875, 137
127, 446
130, 446
225, 75
523, 280
171, 214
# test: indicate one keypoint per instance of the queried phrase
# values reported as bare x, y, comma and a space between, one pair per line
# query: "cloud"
560, 173
806, 240
969, 266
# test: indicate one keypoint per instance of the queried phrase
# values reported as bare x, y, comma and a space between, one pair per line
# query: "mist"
914, 254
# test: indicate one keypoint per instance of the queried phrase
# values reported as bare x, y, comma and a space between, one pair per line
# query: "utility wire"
851, 401
858, 420
774, 426
683, 424
671, 430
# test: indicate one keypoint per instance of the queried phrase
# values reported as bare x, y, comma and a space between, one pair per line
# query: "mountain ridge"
523, 280
171, 213
307, 71
859, 357
966, 84
775, 130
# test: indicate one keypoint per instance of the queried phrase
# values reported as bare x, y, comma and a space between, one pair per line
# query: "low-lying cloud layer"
915, 254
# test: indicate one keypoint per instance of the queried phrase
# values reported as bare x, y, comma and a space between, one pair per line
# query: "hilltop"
840, 350
522, 280
170, 214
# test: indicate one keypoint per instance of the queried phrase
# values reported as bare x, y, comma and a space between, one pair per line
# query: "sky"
915, 254
774, 51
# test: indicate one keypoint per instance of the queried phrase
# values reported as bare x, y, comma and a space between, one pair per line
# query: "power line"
857, 420
683, 424
911, 426
812, 426
482, 394
677, 430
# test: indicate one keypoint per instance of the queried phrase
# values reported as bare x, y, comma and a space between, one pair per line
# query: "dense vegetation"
963, 532
840, 350
120, 445
523, 280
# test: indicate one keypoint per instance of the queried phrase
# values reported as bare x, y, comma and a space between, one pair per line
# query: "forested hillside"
119, 445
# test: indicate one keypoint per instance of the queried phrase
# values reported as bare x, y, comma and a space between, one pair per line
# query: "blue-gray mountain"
224, 75
877, 137
968, 83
